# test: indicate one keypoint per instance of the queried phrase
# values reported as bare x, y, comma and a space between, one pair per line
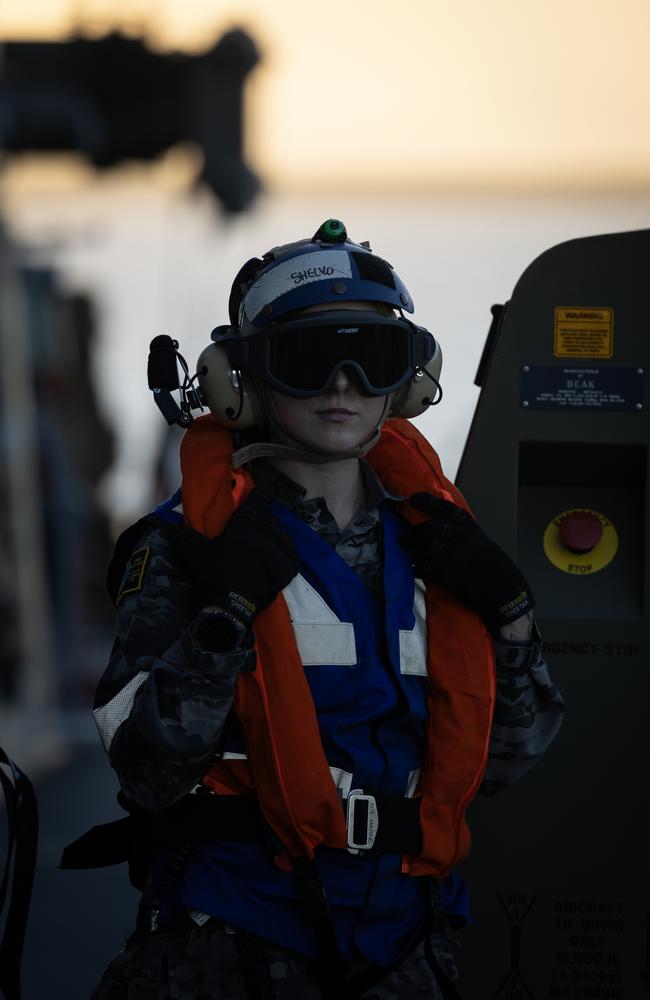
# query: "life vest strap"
208, 817
391, 823
196, 819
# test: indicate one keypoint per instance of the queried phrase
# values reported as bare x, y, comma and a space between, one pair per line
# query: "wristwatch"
215, 630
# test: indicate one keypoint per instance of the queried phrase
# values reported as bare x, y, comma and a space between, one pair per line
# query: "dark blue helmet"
327, 268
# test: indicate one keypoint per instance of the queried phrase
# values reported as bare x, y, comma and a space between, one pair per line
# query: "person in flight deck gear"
319, 659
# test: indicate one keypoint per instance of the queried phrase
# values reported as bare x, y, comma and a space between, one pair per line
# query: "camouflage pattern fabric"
359, 543
161, 704
528, 712
187, 962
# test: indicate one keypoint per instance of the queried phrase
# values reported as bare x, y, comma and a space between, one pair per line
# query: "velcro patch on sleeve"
134, 573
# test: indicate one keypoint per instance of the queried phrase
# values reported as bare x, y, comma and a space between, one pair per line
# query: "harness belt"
383, 824
377, 824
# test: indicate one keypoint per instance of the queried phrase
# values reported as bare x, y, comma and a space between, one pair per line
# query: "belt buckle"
357, 799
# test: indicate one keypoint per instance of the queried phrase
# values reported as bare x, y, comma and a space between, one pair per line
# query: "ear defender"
421, 391
231, 396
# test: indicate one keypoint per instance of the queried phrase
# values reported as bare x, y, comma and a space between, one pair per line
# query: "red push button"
581, 530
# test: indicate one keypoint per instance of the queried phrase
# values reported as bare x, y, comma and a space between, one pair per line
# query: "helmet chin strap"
284, 446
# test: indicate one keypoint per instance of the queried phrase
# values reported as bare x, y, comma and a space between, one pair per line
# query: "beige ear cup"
409, 401
219, 385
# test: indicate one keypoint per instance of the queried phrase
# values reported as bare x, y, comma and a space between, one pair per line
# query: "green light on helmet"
332, 231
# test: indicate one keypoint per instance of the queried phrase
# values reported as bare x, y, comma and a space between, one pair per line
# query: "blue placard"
560, 387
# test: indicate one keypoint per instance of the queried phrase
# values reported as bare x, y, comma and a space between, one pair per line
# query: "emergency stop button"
581, 531
580, 541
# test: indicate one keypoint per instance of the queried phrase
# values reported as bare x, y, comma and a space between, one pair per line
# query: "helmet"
277, 337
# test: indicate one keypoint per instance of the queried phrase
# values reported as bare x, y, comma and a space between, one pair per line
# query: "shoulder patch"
134, 573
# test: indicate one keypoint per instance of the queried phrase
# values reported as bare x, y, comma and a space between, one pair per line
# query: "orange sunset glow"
422, 94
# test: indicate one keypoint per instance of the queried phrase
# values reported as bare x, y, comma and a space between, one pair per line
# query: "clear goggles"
303, 357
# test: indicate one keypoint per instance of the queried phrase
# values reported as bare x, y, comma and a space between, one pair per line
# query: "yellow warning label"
580, 563
583, 332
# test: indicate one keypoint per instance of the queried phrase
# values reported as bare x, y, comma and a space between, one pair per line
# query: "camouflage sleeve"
161, 704
528, 712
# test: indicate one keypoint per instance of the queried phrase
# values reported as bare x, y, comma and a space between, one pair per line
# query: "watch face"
217, 631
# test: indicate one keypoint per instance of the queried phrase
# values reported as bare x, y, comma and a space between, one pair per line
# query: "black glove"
243, 569
451, 549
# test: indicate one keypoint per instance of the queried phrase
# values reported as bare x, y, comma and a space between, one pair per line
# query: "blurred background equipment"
111, 99
26, 661
114, 99
17, 864
562, 428
55, 445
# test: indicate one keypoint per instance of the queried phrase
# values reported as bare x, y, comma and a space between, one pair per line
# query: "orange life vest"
286, 765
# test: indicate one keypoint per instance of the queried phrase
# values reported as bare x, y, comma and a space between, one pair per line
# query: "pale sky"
462, 138
360, 93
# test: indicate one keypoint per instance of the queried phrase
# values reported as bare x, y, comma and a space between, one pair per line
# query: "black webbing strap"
398, 827
364, 979
255, 966
17, 880
332, 971
196, 819
202, 818
438, 923
448, 989
101, 846
329, 963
